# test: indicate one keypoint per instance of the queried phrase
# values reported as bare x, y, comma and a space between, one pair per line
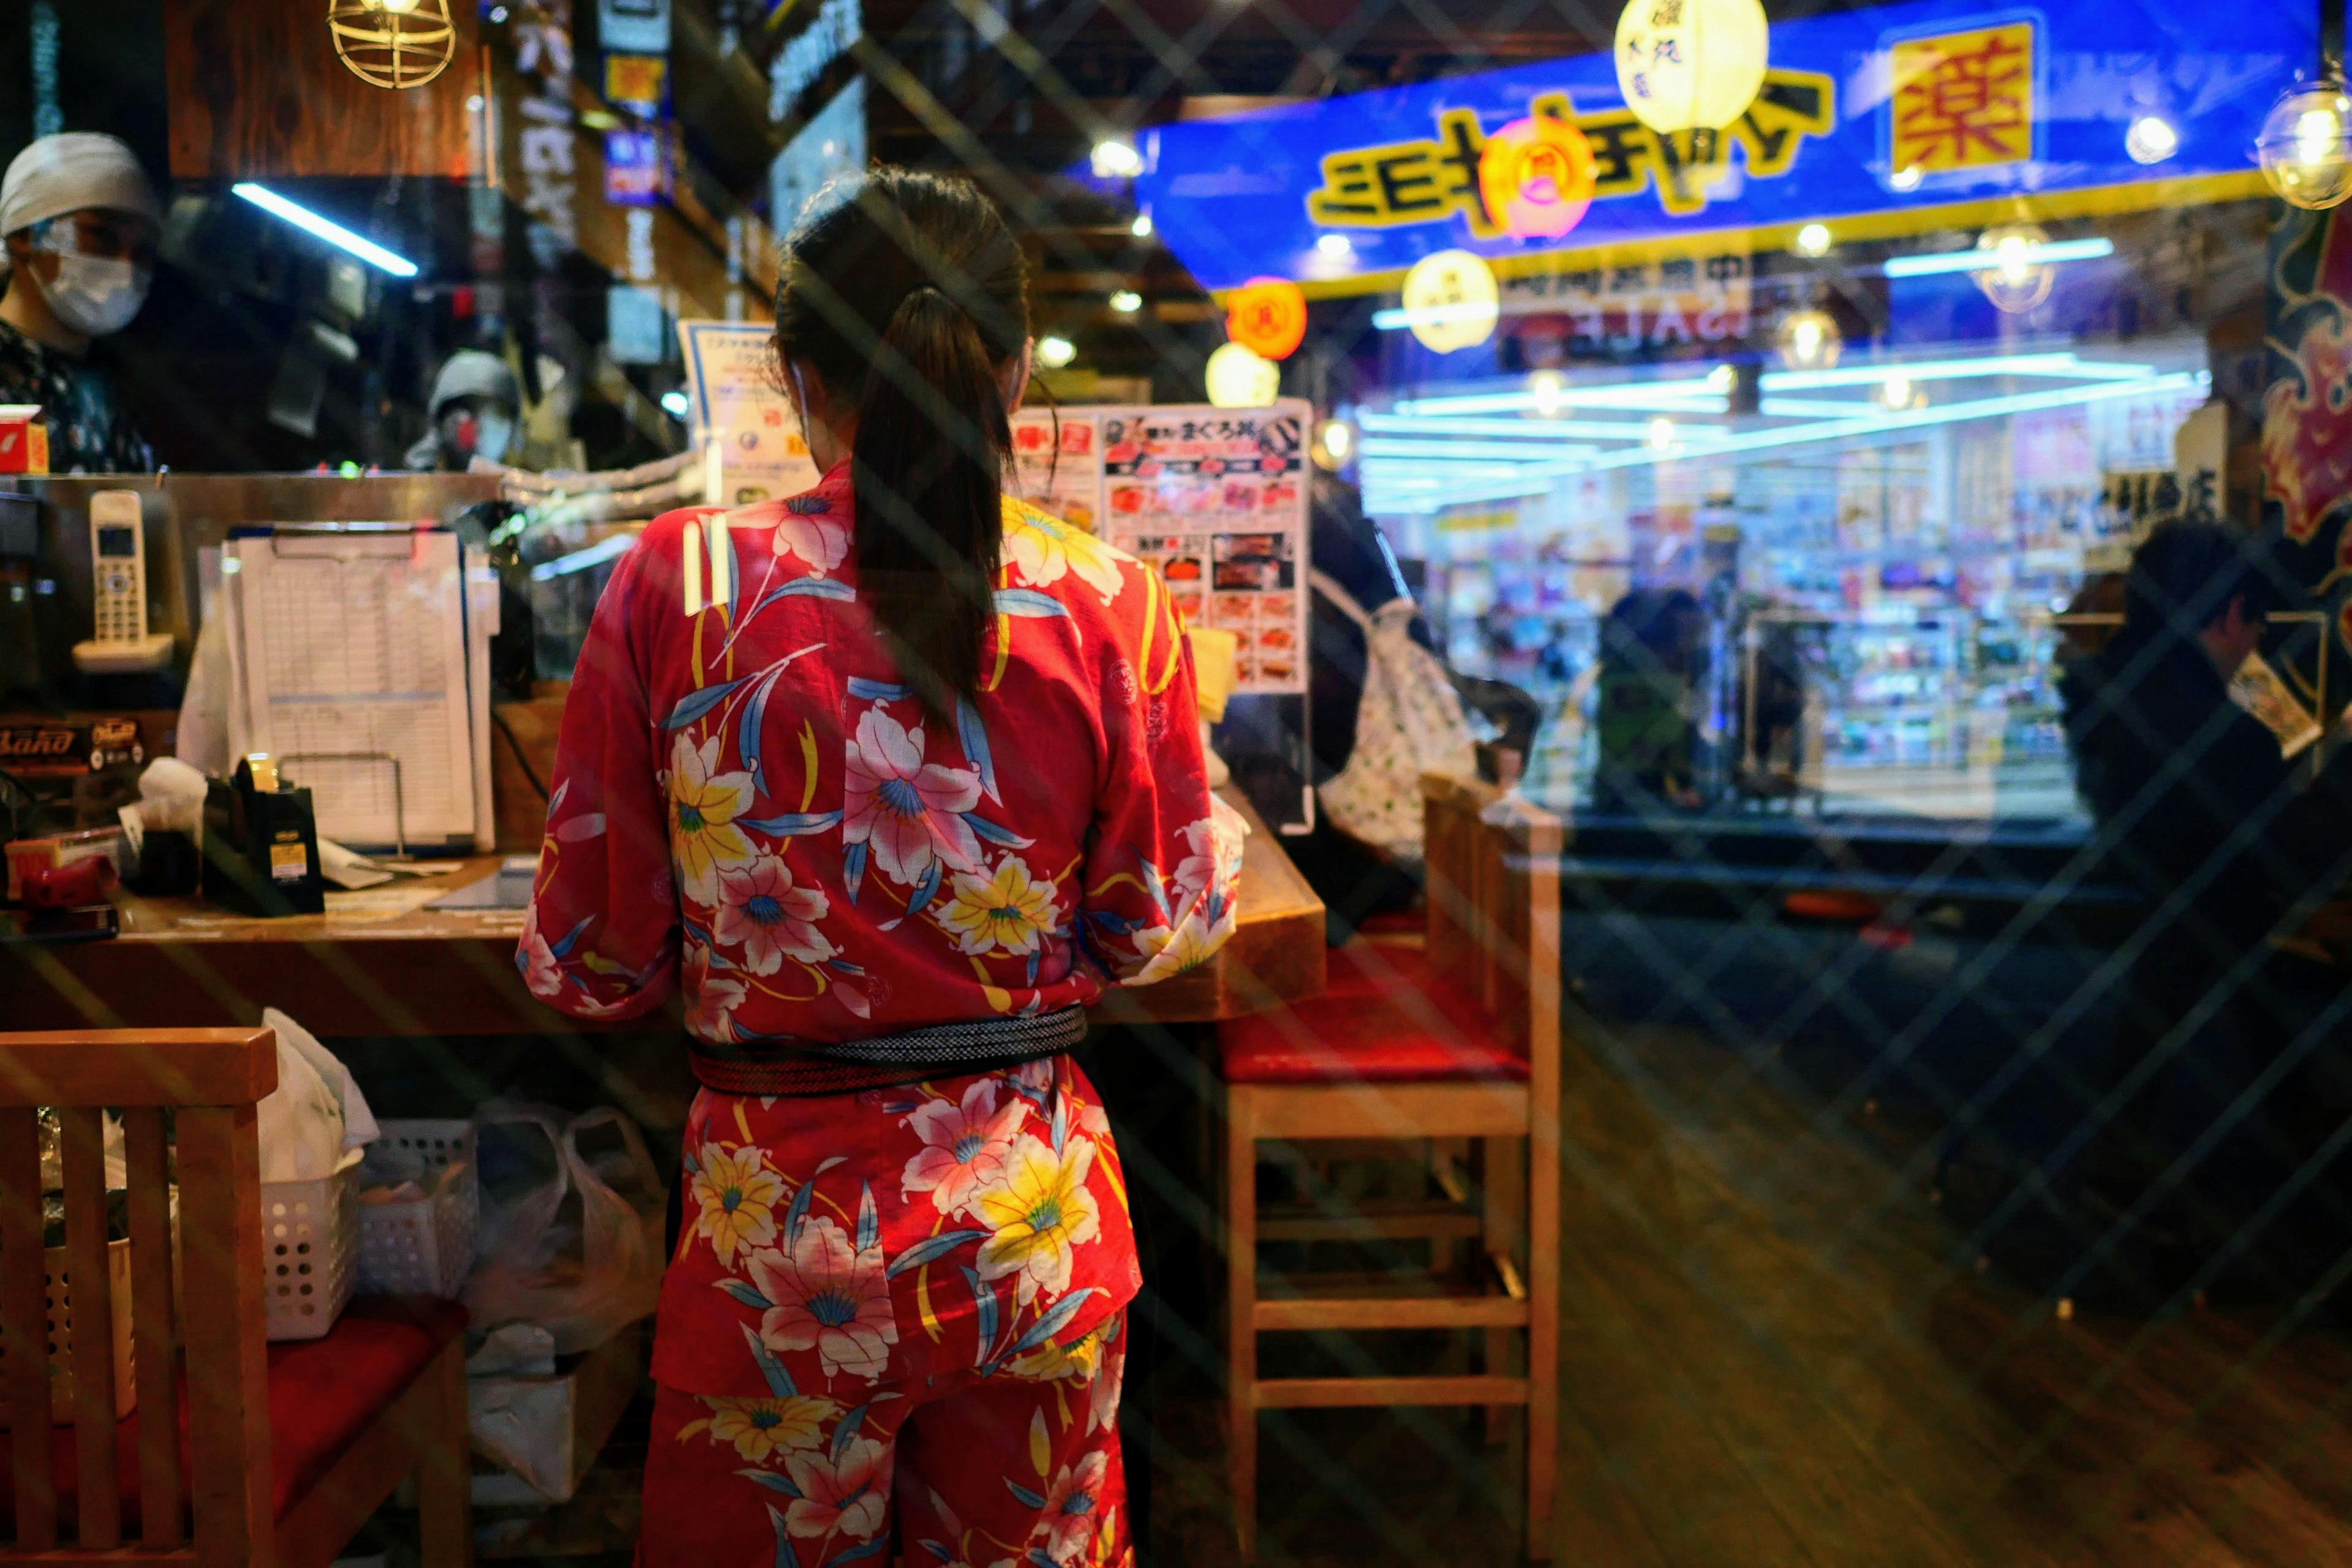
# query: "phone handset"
121, 643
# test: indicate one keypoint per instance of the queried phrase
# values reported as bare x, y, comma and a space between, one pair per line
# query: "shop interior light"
1546, 385
1809, 340
2151, 139
1905, 178
608, 549
1334, 443
1054, 350
1722, 379
1115, 159
1337, 246
1813, 239
1126, 301
2305, 145
1662, 433
1999, 256
333, 232
1141, 226
1895, 392
673, 403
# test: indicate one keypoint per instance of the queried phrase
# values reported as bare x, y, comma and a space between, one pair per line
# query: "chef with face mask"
474, 407
79, 222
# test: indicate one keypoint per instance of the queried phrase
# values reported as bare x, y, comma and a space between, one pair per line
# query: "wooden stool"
249, 1453
1458, 1041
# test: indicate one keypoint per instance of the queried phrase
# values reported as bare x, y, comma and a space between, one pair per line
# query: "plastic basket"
426, 1248
59, 1301
309, 1252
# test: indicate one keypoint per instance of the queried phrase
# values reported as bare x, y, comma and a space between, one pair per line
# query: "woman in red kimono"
896, 776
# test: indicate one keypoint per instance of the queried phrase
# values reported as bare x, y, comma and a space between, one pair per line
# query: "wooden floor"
1778, 1350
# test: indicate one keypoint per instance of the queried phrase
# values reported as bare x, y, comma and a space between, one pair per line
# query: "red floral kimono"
909, 1297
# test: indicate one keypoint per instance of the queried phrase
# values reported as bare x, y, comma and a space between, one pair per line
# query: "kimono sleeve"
601, 938
1164, 861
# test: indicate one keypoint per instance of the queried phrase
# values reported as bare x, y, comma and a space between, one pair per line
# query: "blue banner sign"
1880, 122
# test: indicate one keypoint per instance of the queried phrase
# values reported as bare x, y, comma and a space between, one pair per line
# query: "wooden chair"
295, 1444
1458, 1042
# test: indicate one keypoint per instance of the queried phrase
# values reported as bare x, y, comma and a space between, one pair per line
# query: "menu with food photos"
1215, 498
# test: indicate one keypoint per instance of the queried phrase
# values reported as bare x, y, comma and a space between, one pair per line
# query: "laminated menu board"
1215, 498
738, 412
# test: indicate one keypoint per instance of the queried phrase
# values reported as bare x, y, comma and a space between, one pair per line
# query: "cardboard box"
23, 439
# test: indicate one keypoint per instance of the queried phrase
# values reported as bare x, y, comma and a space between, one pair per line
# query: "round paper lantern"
1239, 378
2305, 146
1537, 176
1451, 301
1690, 65
393, 43
1809, 340
1268, 316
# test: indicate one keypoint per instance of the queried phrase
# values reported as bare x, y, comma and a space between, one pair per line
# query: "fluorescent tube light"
333, 232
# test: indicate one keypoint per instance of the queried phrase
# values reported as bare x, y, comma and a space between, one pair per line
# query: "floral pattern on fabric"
90, 432
747, 799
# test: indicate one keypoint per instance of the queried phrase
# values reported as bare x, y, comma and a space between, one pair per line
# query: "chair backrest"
210, 1080
1492, 894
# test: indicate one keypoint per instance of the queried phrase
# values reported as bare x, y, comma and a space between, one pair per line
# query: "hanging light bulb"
1896, 391
1690, 65
1335, 443
2016, 282
2305, 145
1547, 389
1813, 239
2151, 139
1809, 340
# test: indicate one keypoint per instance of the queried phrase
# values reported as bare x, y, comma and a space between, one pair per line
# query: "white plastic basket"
309, 1252
426, 1248
59, 1295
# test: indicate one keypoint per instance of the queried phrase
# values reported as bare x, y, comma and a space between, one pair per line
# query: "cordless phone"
118, 549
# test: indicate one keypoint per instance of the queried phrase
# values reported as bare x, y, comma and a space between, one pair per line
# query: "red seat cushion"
1374, 968
1391, 1025
323, 1393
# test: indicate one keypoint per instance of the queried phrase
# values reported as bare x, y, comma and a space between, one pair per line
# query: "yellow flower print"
1045, 549
703, 805
1010, 910
738, 1195
1039, 1209
1050, 1362
759, 1427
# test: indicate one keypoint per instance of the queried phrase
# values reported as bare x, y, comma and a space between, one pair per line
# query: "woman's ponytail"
908, 295
927, 465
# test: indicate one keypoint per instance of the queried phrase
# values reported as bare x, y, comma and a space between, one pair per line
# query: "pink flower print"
822, 541
711, 998
965, 1145
771, 920
850, 1493
909, 810
1102, 1401
828, 1296
1071, 1504
539, 971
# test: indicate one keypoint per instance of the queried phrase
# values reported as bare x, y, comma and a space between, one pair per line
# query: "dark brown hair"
907, 292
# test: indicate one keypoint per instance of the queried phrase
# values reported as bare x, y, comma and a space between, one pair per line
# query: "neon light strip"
1389, 321
595, 555
1649, 394
1461, 451
1992, 257
333, 232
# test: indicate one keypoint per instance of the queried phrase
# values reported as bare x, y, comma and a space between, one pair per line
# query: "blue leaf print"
1026, 1497
695, 704
1030, 978
853, 870
866, 691
1035, 1557
1061, 1130
747, 734
797, 1215
938, 1551
827, 1164
810, 589
983, 1300
779, 1381
974, 736
931, 1248
743, 1290
791, 824
994, 834
734, 570
808, 506
1156, 888
774, 1483
855, 1553
848, 1429
925, 891
1030, 603
787, 1554
571, 938
1051, 1322
843, 966
869, 1222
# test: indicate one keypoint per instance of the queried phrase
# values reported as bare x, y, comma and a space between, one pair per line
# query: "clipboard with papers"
359, 657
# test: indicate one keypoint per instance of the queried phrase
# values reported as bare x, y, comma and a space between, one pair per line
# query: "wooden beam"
1292, 1313
1358, 1392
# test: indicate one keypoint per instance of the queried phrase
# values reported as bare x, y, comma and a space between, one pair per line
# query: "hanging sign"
1268, 316
632, 26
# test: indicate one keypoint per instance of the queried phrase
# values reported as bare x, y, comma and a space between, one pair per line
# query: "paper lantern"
393, 43
1451, 301
1268, 316
1809, 340
1537, 177
1239, 378
2305, 146
1690, 65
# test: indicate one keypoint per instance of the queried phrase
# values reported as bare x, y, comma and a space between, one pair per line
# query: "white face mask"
96, 295
492, 432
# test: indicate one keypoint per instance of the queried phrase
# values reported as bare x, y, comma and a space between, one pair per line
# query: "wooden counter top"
377, 962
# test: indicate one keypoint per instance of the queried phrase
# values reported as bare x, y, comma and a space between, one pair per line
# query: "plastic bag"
301, 1120
358, 1122
577, 1249
1409, 722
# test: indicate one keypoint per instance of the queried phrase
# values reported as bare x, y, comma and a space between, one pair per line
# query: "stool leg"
445, 1481
1502, 1195
1543, 1337
1241, 1312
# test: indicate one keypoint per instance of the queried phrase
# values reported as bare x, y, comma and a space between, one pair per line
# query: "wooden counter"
377, 963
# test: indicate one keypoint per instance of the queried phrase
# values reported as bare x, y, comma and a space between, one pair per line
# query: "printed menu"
1058, 463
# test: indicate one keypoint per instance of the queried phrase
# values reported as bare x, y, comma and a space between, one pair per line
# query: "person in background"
1650, 656
474, 408
2197, 811
890, 842
79, 222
